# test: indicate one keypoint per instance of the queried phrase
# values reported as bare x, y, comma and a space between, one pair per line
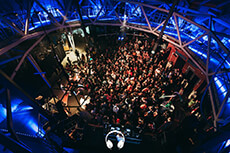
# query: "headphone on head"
120, 143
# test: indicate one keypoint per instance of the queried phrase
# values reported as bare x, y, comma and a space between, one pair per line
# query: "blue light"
94, 10
21, 115
69, 150
180, 21
44, 14
14, 104
221, 87
171, 33
2, 113
38, 24
107, 19
173, 22
228, 64
218, 82
26, 108
72, 20
227, 143
33, 125
198, 52
213, 60
193, 28
138, 11
205, 38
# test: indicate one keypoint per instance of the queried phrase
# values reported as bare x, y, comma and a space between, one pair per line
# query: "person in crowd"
127, 81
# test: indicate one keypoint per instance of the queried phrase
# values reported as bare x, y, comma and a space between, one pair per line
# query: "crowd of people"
132, 85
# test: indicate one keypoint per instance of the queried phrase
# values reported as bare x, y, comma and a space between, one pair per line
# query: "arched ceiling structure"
199, 28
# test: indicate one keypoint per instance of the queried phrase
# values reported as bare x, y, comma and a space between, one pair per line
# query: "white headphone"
109, 143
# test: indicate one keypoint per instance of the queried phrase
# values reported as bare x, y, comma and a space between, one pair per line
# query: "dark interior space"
94, 76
